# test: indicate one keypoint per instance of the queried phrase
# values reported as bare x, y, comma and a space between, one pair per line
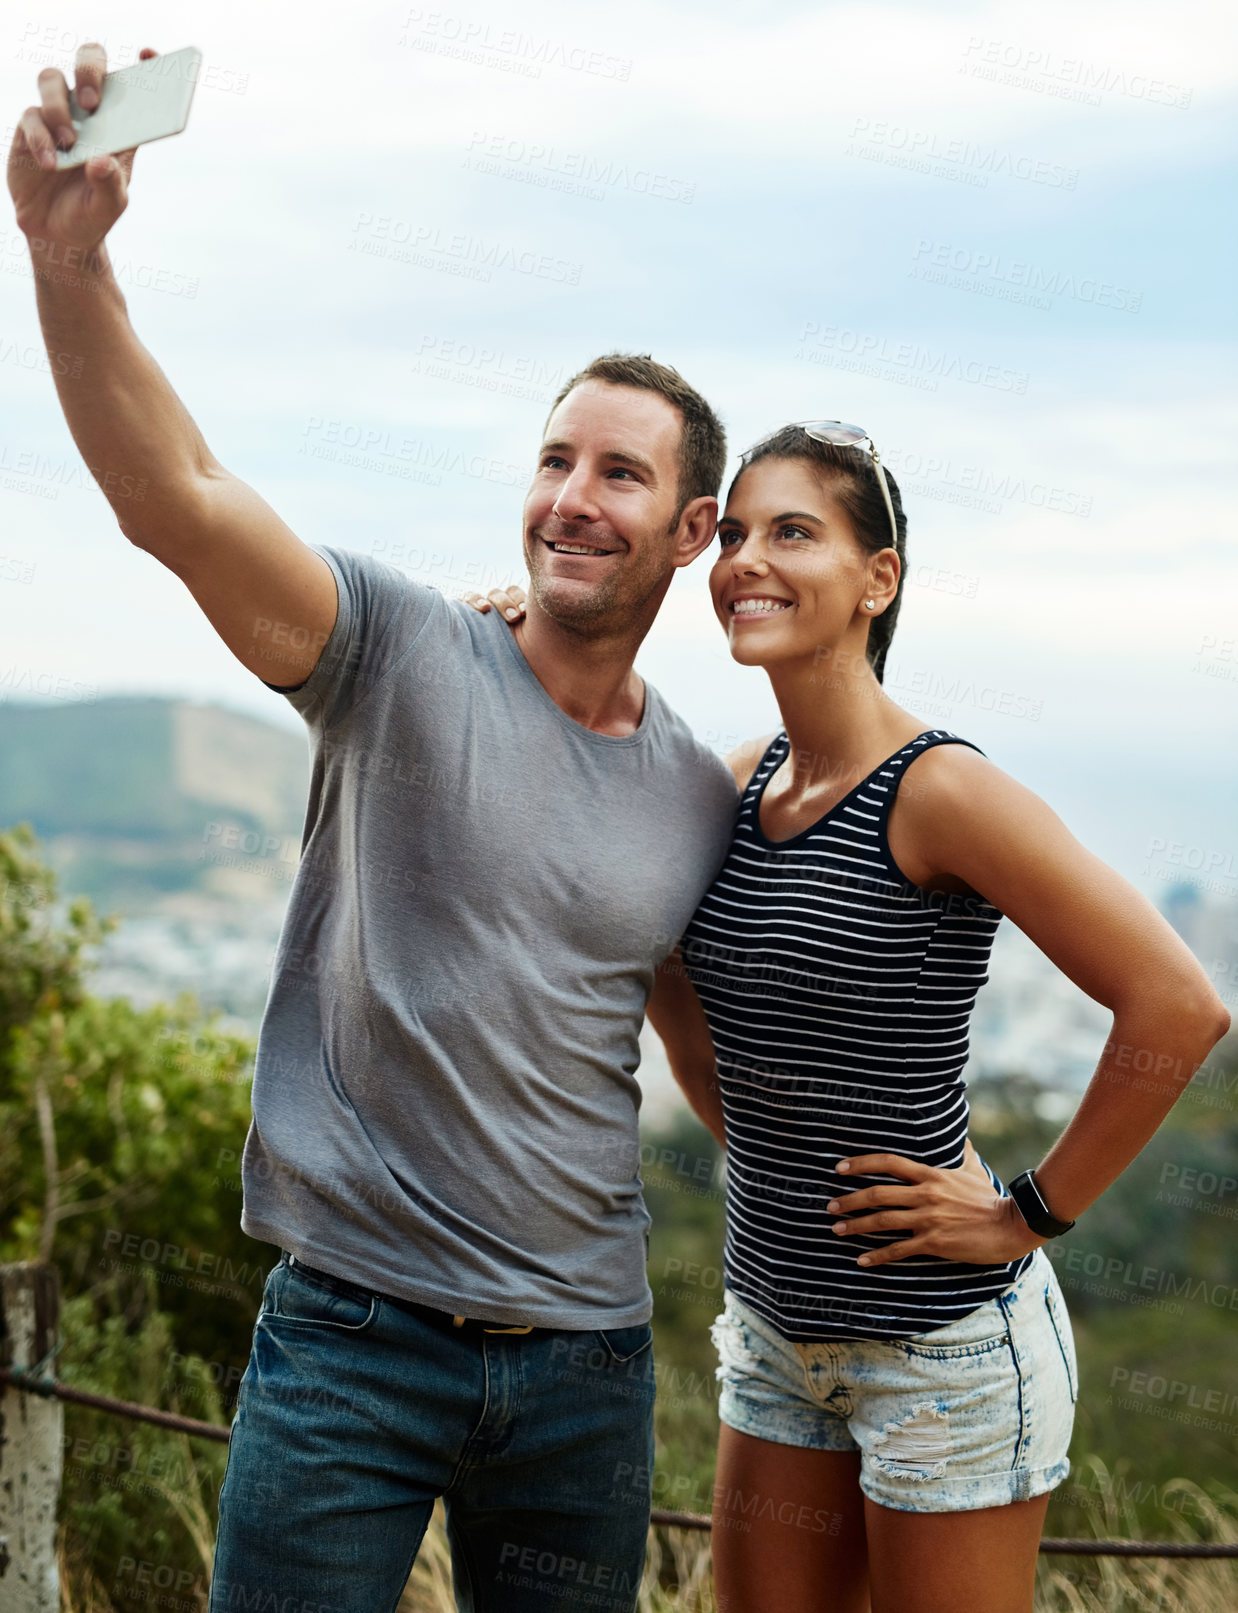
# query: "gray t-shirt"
444, 1102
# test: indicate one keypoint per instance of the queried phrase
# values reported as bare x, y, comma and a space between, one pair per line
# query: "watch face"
1033, 1209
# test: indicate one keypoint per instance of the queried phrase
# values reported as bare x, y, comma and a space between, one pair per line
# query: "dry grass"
81, 1591
1147, 1584
678, 1578
429, 1585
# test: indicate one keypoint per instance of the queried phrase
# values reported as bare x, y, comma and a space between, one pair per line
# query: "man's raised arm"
269, 597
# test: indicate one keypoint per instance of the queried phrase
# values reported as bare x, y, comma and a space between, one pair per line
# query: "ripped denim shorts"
976, 1414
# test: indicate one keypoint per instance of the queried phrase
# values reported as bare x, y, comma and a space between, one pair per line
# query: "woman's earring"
868, 604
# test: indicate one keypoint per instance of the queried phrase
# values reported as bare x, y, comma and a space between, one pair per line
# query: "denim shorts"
976, 1414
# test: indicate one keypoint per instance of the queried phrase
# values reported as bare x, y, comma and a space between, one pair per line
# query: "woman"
898, 1375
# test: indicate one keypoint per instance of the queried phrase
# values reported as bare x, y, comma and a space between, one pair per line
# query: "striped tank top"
838, 994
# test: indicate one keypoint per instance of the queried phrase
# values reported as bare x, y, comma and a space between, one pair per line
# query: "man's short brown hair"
702, 444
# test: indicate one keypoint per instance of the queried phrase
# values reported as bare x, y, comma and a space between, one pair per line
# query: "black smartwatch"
1026, 1193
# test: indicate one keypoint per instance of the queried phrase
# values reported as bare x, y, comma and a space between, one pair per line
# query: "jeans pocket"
624, 1343
297, 1299
267, 1303
917, 1348
984, 1329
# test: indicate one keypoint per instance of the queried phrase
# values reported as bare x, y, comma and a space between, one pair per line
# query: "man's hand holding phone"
74, 206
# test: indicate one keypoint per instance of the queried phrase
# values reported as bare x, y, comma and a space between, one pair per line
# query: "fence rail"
52, 1389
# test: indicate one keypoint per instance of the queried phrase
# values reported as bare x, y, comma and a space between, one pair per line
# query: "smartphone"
147, 101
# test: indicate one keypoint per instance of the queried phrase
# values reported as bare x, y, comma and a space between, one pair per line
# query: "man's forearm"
136, 436
675, 1013
701, 1090
707, 1104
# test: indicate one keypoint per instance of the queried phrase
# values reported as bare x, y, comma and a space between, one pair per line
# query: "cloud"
407, 225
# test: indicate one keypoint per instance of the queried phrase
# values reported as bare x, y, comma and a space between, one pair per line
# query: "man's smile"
574, 548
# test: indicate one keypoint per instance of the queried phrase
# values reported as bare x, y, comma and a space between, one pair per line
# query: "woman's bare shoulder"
744, 758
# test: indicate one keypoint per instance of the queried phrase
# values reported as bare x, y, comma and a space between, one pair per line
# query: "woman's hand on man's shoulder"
510, 601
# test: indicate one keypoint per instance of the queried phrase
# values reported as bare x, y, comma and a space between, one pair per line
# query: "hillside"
183, 819
138, 797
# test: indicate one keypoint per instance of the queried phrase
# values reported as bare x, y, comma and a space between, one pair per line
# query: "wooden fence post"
31, 1442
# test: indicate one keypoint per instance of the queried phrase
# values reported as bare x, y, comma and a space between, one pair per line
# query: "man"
506, 834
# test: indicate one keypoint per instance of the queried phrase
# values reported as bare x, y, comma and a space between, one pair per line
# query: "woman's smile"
757, 607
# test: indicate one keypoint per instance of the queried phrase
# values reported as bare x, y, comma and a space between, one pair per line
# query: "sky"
1000, 237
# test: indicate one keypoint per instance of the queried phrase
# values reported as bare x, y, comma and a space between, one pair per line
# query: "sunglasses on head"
840, 435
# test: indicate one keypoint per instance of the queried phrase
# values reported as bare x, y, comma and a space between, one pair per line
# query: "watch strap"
1025, 1191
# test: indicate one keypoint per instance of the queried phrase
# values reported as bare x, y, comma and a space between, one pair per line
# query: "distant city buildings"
1207, 920
184, 818
1030, 1020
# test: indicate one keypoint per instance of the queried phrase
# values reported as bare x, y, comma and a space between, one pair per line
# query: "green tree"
121, 1132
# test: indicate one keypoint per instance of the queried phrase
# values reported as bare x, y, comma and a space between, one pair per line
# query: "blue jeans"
356, 1411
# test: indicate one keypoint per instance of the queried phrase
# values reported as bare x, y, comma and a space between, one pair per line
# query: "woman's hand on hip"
954, 1214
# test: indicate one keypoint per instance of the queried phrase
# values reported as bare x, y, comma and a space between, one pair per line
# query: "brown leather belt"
427, 1313
459, 1321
